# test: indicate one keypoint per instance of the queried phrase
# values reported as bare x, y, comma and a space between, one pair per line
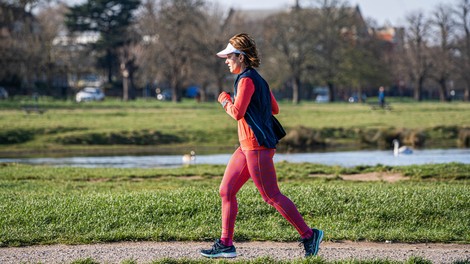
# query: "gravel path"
145, 252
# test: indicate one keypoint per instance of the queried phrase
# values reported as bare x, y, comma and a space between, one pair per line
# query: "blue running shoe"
312, 245
219, 250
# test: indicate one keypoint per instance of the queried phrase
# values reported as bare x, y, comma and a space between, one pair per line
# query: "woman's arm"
274, 105
245, 89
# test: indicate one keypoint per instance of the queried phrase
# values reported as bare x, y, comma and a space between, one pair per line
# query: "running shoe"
312, 244
219, 250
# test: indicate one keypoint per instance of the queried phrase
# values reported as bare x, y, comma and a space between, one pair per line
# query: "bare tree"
109, 19
179, 27
128, 55
463, 44
290, 35
334, 21
416, 58
363, 65
186, 55
54, 65
20, 46
308, 42
211, 72
443, 24
148, 59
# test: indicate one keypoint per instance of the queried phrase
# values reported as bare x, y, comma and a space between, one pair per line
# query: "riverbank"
143, 127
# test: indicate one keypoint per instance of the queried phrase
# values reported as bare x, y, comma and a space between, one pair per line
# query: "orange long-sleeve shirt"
237, 110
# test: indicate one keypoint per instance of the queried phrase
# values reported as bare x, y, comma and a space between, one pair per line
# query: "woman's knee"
225, 192
271, 198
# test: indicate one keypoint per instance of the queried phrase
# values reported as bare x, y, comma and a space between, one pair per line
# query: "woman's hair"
243, 42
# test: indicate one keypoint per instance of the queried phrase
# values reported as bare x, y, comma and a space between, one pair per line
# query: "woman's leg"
236, 174
261, 168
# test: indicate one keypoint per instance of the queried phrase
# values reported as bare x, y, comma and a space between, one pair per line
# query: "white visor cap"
228, 50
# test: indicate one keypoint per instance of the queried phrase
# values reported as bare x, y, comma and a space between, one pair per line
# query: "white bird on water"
189, 158
397, 150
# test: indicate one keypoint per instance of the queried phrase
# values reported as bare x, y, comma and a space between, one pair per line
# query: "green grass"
191, 125
48, 205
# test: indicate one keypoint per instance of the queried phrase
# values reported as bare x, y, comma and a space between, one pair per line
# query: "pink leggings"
260, 166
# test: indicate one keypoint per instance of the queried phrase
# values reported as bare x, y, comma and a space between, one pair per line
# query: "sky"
382, 11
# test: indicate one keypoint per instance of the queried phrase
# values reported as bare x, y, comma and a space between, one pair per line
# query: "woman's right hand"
224, 98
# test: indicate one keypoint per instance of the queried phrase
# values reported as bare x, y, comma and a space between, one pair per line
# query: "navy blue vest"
259, 111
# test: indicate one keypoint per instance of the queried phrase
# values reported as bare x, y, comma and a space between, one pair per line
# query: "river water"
345, 159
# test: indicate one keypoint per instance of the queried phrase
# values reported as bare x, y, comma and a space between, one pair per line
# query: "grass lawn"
49, 205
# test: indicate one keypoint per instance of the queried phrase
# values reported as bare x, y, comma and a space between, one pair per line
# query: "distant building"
392, 37
78, 39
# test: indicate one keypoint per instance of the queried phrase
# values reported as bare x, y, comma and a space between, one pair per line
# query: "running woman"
252, 107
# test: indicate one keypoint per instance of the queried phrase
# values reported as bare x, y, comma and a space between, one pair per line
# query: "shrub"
446, 132
303, 139
136, 137
337, 132
384, 137
415, 138
464, 137
381, 138
16, 136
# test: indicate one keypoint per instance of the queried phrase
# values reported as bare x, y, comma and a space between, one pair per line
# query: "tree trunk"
331, 90
220, 84
125, 82
202, 93
418, 95
131, 68
466, 93
109, 62
175, 96
295, 90
131, 87
359, 94
125, 89
443, 90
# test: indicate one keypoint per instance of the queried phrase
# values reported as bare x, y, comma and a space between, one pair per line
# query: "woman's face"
235, 63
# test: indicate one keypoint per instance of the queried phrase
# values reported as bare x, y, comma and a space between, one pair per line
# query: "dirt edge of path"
146, 252
371, 176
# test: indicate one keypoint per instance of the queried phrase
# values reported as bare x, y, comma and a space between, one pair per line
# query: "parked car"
3, 93
164, 95
354, 98
322, 98
322, 94
89, 94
